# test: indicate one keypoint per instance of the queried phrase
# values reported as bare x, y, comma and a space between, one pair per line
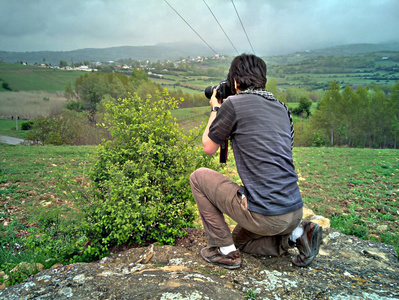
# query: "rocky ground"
346, 268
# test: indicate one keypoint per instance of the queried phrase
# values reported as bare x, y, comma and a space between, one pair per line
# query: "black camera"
223, 90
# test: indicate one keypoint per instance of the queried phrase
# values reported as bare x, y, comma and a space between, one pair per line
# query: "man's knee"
198, 174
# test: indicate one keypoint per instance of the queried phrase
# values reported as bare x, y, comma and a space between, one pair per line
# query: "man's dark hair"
249, 71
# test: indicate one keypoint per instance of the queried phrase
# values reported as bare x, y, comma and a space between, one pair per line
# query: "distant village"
116, 66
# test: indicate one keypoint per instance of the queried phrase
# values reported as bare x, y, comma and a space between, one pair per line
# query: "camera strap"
223, 151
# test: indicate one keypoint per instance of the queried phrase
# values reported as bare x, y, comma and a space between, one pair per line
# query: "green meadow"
33, 90
356, 188
9, 127
35, 78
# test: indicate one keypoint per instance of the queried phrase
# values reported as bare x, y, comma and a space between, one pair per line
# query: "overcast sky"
272, 26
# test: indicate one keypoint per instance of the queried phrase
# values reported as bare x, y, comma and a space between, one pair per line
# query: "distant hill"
160, 52
168, 51
341, 50
352, 49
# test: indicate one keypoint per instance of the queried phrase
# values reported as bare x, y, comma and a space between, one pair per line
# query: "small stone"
105, 260
28, 266
147, 255
307, 212
320, 220
382, 227
377, 237
137, 268
56, 266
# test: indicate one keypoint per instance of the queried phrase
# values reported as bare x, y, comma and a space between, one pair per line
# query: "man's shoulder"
239, 98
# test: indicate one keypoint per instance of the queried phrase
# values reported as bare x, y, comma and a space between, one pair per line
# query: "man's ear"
236, 85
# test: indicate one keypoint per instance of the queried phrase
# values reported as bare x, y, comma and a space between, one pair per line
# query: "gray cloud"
273, 26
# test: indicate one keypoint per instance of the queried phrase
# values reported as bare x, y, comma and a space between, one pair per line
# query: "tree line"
354, 118
362, 117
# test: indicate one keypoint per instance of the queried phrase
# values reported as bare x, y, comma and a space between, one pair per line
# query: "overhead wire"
220, 26
242, 25
191, 27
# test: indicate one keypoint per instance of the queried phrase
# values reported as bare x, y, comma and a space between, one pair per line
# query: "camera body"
223, 90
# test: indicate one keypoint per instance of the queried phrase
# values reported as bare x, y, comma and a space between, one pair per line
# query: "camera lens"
209, 91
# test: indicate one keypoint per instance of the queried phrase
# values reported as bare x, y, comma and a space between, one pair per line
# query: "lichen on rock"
346, 268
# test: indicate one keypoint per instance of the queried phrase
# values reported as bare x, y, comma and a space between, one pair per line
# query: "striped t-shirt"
260, 129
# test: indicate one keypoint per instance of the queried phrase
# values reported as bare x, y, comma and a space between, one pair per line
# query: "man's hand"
214, 101
210, 147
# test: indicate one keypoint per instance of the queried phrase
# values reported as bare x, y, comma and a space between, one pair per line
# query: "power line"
221, 26
191, 27
243, 27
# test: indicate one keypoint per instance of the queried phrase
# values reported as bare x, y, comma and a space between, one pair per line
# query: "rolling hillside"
153, 53
170, 51
34, 78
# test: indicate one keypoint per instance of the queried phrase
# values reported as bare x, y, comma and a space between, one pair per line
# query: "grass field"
188, 118
344, 79
8, 127
357, 188
35, 78
188, 84
30, 104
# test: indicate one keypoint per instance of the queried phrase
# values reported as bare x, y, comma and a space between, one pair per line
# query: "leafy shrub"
304, 107
27, 125
66, 128
75, 105
6, 86
140, 187
53, 130
318, 140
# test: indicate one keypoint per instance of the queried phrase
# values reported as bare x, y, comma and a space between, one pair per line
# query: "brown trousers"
255, 233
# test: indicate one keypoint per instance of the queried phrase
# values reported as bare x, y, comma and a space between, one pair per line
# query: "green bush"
6, 86
69, 127
304, 107
75, 105
27, 125
318, 140
140, 189
55, 130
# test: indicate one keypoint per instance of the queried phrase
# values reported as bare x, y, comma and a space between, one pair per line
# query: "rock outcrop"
346, 268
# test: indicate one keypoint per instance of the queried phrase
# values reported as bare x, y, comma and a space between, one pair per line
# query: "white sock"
297, 233
227, 249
